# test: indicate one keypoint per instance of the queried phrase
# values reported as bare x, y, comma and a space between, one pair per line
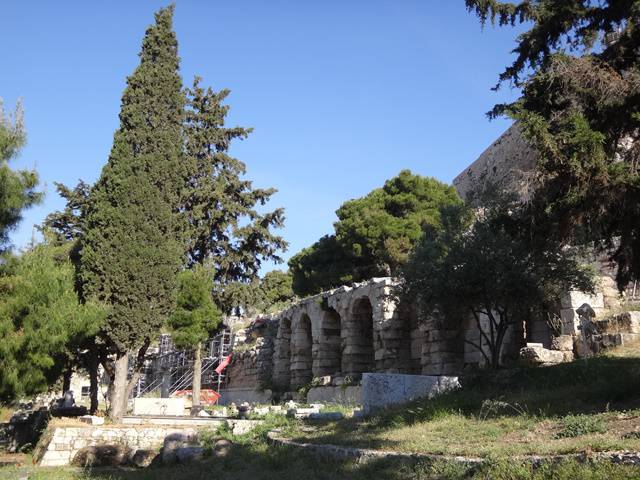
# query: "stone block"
302, 412
345, 395
92, 419
101, 456
541, 356
158, 406
563, 343
381, 390
186, 455
142, 458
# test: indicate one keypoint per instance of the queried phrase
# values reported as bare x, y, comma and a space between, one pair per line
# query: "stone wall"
336, 336
60, 445
252, 366
346, 332
507, 162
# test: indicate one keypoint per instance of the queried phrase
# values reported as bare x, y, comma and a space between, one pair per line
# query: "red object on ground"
223, 364
207, 395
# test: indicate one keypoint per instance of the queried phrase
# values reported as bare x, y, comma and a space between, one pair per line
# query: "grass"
583, 406
259, 461
578, 407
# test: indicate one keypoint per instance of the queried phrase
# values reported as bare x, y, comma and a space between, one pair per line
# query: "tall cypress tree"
133, 245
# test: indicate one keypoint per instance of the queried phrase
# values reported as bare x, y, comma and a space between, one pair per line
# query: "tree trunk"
66, 380
119, 388
197, 378
93, 381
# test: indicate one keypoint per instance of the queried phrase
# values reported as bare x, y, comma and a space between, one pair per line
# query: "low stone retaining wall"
344, 395
241, 395
59, 445
361, 455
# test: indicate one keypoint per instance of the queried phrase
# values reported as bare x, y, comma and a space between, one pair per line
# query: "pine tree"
17, 188
43, 325
194, 319
579, 69
226, 231
133, 246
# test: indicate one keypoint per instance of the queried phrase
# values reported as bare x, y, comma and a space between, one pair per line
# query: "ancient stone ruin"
332, 338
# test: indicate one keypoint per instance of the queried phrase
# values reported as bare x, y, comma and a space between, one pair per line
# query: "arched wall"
358, 333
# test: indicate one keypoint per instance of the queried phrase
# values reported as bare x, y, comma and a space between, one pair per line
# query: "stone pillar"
282, 355
301, 352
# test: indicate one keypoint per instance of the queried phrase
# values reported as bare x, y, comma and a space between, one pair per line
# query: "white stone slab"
158, 406
381, 390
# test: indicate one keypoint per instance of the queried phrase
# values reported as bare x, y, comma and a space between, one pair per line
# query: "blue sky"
342, 94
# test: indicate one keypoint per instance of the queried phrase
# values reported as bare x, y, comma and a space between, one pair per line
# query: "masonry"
334, 337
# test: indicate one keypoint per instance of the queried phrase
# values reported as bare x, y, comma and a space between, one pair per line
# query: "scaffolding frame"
171, 369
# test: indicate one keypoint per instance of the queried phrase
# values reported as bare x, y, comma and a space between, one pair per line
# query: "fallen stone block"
143, 457
101, 456
301, 412
189, 454
563, 343
92, 419
539, 356
326, 416
222, 448
381, 390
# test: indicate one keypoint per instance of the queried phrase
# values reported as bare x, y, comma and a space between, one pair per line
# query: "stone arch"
301, 352
359, 352
328, 357
282, 360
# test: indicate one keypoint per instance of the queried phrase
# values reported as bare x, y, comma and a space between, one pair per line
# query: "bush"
577, 425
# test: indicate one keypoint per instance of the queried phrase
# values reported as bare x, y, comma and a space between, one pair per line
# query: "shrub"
576, 425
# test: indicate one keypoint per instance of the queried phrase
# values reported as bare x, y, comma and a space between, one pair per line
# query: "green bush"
576, 425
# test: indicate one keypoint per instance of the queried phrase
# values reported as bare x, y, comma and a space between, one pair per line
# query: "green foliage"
374, 235
576, 425
581, 114
133, 244
321, 266
558, 25
276, 287
68, 225
17, 187
490, 269
226, 231
42, 323
269, 294
195, 316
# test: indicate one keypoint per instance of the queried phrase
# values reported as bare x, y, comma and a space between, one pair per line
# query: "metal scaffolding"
169, 369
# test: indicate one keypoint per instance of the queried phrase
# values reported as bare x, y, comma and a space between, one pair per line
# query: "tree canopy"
18, 188
226, 232
195, 316
133, 242
579, 69
42, 323
373, 235
487, 269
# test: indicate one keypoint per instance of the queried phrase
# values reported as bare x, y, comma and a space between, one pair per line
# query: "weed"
577, 425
